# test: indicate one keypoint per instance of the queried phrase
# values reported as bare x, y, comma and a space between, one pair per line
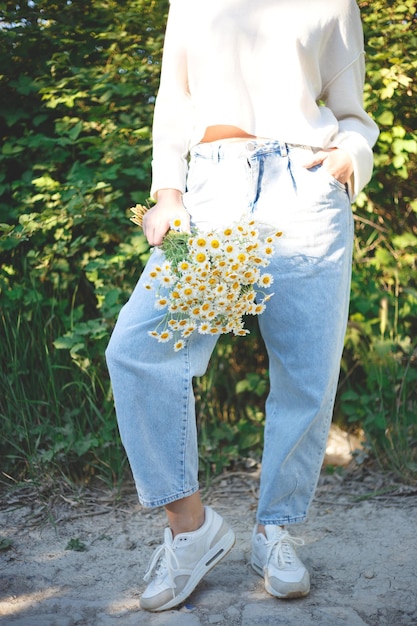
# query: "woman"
259, 113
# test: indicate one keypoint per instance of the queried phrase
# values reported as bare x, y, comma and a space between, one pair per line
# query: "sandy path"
361, 550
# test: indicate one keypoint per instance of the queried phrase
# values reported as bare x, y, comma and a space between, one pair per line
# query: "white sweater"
291, 70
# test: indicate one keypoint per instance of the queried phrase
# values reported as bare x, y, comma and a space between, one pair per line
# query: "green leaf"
386, 118
76, 545
5, 544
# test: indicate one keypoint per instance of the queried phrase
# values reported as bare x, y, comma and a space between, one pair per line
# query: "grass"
53, 414
57, 415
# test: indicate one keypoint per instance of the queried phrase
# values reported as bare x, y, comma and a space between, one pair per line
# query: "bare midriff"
224, 131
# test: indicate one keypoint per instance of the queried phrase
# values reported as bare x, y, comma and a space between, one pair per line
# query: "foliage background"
77, 90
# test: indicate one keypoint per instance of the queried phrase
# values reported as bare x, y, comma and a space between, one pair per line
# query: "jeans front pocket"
332, 179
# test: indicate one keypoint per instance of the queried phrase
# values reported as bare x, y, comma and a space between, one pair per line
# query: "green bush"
77, 86
378, 390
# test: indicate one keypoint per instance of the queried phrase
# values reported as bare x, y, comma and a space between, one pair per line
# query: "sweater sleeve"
357, 131
173, 111
343, 94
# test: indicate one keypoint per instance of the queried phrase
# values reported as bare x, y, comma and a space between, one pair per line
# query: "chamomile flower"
164, 336
268, 249
184, 266
188, 292
200, 257
214, 243
177, 224
241, 332
266, 280
258, 309
161, 303
167, 280
189, 330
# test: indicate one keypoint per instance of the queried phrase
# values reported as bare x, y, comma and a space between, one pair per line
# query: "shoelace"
168, 562
282, 549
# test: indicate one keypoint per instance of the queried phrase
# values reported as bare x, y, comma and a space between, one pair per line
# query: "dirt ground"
73, 557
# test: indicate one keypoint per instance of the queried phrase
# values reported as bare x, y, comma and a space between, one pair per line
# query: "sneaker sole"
273, 592
213, 556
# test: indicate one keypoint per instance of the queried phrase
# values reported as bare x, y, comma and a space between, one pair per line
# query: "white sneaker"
274, 558
181, 563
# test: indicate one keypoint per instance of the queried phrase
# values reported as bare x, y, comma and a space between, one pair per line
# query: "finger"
316, 159
158, 233
153, 234
312, 163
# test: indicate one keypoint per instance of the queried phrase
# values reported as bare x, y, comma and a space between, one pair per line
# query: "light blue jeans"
303, 328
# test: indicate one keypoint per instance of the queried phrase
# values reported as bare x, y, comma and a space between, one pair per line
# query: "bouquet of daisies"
209, 280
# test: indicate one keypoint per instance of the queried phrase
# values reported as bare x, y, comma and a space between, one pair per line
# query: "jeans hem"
152, 504
283, 521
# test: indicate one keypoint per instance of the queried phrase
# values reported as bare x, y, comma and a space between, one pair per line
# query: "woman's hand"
156, 221
337, 162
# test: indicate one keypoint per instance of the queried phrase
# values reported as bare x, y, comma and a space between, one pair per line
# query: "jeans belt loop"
283, 149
